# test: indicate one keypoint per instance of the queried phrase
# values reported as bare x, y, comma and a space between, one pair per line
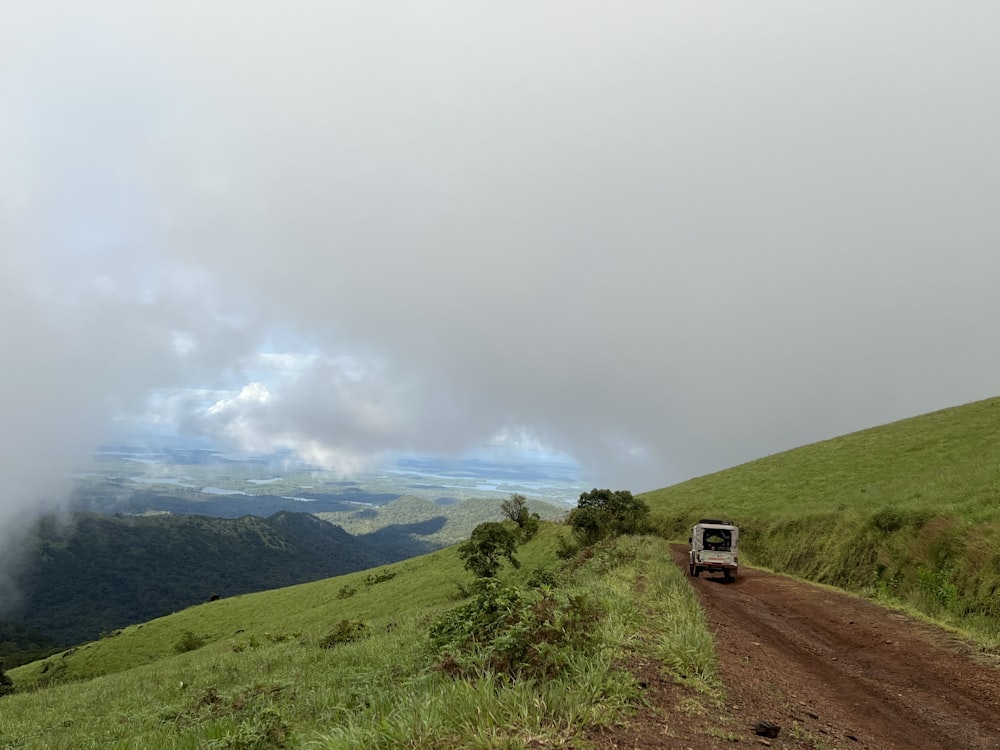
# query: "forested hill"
103, 572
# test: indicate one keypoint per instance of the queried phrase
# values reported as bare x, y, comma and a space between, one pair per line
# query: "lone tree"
489, 545
516, 509
604, 513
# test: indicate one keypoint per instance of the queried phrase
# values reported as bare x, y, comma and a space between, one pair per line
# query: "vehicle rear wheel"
695, 570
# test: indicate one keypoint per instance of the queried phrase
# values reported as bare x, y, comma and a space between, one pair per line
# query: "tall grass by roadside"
908, 513
253, 671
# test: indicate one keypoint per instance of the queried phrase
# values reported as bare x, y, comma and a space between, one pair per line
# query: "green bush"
345, 631
372, 578
346, 592
601, 514
505, 631
189, 642
541, 577
491, 543
262, 730
890, 519
567, 548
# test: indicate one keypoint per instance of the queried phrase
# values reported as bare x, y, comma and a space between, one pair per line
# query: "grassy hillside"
421, 522
909, 511
100, 573
407, 655
257, 674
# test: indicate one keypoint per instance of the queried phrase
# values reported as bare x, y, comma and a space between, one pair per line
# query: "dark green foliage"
601, 514
345, 631
541, 577
346, 592
566, 548
531, 526
519, 634
54, 672
372, 578
21, 645
189, 642
241, 646
490, 544
101, 573
6, 684
893, 519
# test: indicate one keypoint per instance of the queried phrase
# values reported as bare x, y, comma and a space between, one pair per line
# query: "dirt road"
832, 671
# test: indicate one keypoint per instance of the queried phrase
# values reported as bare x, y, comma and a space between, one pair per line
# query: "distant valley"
152, 532
135, 480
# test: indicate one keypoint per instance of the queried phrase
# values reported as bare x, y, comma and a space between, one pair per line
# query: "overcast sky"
661, 238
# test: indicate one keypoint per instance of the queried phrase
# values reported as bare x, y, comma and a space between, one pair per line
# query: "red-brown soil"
833, 671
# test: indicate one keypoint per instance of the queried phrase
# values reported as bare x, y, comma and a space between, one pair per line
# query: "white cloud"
251, 395
661, 238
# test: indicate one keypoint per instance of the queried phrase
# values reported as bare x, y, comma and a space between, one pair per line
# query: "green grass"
262, 680
908, 513
457, 521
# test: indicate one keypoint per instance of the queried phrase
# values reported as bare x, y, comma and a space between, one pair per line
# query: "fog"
658, 238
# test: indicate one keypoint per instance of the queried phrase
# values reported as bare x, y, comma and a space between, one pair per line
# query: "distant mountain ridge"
101, 572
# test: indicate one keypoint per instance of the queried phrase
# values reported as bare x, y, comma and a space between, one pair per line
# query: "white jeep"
714, 547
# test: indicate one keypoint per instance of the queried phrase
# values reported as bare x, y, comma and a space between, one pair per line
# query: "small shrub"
567, 549
461, 592
889, 520
53, 673
250, 642
372, 578
189, 642
530, 527
256, 721
513, 633
936, 589
346, 592
262, 730
885, 582
345, 631
541, 577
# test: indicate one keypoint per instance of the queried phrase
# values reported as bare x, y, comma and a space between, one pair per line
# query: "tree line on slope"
600, 514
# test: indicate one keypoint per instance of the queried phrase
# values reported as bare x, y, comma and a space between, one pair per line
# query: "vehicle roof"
714, 522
